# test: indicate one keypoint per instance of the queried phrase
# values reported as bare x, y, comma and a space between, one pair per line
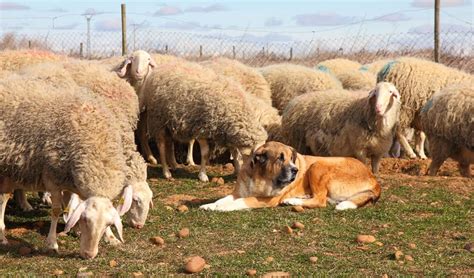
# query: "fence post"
291, 54
263, 51
81, 50
29, 44
166, 49
233, 52
436, 31
124, 31
200, 51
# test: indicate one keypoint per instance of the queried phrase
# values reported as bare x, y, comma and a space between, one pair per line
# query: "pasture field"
429, 219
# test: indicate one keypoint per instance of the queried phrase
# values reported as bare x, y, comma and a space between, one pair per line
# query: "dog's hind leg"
360, 199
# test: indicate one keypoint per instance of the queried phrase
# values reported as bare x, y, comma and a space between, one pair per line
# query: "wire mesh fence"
457, 47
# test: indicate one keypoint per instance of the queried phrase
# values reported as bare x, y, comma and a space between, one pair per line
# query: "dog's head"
271, 167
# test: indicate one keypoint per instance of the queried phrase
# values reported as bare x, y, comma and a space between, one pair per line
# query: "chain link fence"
457, 48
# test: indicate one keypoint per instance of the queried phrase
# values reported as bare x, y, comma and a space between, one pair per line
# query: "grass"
429, 212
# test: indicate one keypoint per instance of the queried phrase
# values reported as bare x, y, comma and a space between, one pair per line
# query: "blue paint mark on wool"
323, 68
363, 68
427, 106
385, 70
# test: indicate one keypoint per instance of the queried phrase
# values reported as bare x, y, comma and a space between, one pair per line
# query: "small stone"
214, 180
168, 208
24, 251
137, 274
220, 181
288, 230
378, 243
313, 259
385, 226
157, 240
240, 252
297, 209
195, 264
62, 234
182, 208
228, 167
82, 269
411, 245
58, 272
385, 275
400, 233
409, 258
113, 263
365, 239
84, 274
469, 247
398, 255
183, 233
251, 272
277, 274
269, 259
298, 225
363, 247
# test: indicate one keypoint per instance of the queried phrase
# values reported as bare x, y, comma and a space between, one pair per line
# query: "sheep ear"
371, 93
122, 70
125, 200
118, 225
76, 215
395, 94
153, 63
74, 202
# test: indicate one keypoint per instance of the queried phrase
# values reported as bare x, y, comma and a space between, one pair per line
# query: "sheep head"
383, 97
137, 66
94, 215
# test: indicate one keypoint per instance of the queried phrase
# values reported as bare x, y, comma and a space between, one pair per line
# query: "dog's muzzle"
287, 176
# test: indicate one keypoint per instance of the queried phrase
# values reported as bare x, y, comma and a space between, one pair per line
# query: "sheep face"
142, 201
94, 216
137, 65
382, 97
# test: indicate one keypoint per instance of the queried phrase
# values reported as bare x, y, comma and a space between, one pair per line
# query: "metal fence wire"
457, 48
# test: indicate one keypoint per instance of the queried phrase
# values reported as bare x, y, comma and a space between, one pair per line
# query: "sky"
276, 18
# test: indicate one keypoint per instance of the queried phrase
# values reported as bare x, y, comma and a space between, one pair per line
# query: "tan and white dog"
276, 174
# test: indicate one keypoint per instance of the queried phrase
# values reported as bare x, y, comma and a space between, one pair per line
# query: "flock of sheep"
67, 126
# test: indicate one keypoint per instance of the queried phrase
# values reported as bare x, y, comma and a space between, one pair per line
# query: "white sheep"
448, 120
337, 123
56, 139
417, 80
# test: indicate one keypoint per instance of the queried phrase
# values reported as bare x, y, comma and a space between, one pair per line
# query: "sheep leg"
143, 139
439, 152
406, 146
375, 162
420, 138
20, 199
189, 158
170, 155
237, 159
161, 141
204, 157
3, 206
51, 240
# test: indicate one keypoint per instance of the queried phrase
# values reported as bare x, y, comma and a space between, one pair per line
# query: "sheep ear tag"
76, 215
125, 201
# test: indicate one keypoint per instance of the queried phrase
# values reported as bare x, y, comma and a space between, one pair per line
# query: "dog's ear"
294, 154
258, 158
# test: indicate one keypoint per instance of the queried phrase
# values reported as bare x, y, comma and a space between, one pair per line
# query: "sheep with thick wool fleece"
13, 60
336, 123
61, 139
448, 121
288, 81
417, 80
349, 73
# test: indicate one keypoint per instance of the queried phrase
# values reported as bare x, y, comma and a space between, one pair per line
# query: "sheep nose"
378, 109
88, 255
138, 226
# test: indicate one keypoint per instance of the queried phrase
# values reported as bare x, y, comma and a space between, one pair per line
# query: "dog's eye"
281, 157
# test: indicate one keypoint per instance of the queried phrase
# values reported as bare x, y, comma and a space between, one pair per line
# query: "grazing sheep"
288, 81
251, 79
55, 139
448, 121
417, 80
120, 98
187, 101
375, 66
336, 123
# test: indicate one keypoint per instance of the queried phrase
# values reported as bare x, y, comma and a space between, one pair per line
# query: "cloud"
90, 11
12, 6
273, 21
57, 10
394, 17
270, 37
67, 26
109, 25
168, 10
444, 3
207, 9
320, 19
445, 28
192, 25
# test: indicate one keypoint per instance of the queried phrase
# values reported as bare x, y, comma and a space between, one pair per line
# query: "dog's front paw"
211, 206
293, 202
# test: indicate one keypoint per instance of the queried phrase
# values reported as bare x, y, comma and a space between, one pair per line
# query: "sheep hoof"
4, 241
26, 207
167, 175
190, 163
46, 199
412, 155
152, 160
53, 246
423, 157
203, 177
